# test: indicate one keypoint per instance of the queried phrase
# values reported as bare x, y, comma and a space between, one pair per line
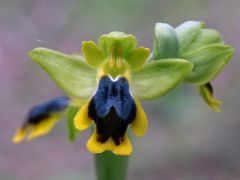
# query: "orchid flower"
106, 84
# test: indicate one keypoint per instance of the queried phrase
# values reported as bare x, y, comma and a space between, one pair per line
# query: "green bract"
191, 41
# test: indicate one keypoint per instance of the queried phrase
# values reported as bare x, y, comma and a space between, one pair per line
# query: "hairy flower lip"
111, 109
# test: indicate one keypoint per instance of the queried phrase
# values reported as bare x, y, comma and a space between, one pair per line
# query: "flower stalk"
110, 166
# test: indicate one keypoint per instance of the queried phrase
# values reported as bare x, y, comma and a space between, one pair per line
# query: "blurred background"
186, 139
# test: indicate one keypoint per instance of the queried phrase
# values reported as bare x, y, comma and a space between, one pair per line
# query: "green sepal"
156, 78
205, 37
72, 75
78, 56
165, 44
71, 112
92, 54
187, 33
208, 62
206, 92
137, 57
117, 43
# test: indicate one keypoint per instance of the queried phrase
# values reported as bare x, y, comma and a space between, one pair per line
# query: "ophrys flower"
107, 84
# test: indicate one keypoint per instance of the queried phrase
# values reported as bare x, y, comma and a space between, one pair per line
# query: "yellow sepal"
82, 120
140, 124
123, 149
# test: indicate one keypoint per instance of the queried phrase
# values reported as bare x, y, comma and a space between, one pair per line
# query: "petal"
158, 77
208, 62
117, 40
140, 124
187, 32
165, 43
138, 57
94, 146
82, 121
73, 76
92, 53
207, 94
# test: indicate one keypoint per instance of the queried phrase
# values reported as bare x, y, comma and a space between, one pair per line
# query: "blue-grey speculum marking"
112, 108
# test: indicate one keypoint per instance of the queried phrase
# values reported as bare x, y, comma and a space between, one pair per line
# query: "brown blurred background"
186, 139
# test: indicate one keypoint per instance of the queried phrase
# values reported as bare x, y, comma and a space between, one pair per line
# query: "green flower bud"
202, 47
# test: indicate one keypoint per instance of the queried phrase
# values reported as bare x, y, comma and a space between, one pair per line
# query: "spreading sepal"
71, 74
156, 78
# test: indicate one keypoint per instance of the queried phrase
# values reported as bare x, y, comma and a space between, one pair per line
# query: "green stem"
111, 167
71, 112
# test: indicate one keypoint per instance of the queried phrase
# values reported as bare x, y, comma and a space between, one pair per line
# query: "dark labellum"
112, 108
